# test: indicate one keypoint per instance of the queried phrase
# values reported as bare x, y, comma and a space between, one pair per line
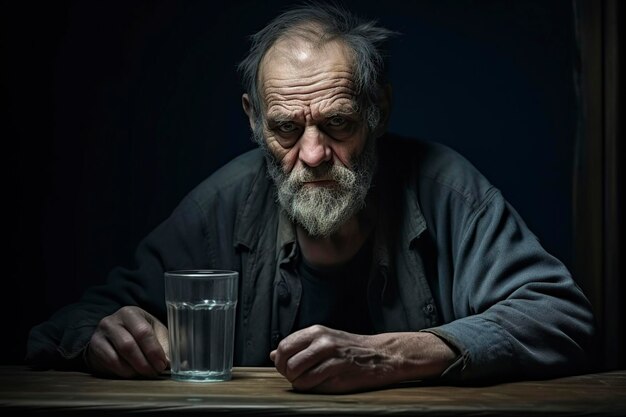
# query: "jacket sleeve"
178, 243
518, 311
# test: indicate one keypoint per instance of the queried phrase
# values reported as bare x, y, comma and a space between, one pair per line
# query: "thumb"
163, 337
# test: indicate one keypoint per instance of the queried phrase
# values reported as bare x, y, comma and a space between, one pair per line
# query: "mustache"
324, 171
327, 171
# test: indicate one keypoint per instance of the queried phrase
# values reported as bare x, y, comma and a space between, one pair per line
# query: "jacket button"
283, 293
429, 308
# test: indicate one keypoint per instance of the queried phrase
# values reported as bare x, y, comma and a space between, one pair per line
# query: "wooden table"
262, 391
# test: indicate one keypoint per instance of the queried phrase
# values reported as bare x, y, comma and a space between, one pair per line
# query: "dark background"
114, 110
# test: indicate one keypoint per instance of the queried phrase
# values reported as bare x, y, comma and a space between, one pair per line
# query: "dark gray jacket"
451, 256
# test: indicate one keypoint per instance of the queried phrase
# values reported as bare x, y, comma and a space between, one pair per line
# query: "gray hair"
321, 23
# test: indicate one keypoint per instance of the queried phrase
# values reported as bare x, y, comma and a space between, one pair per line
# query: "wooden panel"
588, 167
614, 285
598, 176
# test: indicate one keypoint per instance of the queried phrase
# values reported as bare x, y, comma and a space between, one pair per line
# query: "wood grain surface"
262, 391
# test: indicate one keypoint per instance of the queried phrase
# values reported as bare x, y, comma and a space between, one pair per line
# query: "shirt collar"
286, 236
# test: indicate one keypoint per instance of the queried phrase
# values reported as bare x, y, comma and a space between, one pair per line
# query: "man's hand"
320, 359
129, 343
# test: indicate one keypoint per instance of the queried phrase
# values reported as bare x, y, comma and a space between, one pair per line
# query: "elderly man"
365, 259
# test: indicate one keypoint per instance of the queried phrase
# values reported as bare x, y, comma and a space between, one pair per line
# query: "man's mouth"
320, 183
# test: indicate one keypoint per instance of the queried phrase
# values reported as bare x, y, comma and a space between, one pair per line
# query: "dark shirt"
336, 297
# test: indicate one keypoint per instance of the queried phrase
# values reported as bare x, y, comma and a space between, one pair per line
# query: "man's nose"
314, 149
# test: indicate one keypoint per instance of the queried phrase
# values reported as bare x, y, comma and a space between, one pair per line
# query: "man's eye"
287, 127
336, 121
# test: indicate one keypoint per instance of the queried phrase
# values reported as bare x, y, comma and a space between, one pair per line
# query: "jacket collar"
259, 210
400, 217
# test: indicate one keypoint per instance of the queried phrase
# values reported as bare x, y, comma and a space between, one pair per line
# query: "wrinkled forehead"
293, 58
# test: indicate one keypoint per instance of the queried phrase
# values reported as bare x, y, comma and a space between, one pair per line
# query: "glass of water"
201, 323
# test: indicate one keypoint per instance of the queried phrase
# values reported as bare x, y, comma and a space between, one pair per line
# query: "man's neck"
341, 246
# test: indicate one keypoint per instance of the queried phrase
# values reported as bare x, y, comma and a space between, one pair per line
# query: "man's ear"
247, 107
384, 106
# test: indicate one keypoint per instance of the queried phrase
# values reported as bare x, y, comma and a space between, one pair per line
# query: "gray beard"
321, 210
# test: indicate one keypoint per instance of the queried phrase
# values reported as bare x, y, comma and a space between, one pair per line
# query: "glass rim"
201, 273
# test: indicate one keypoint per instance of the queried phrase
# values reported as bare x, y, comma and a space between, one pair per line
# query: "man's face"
320, 154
